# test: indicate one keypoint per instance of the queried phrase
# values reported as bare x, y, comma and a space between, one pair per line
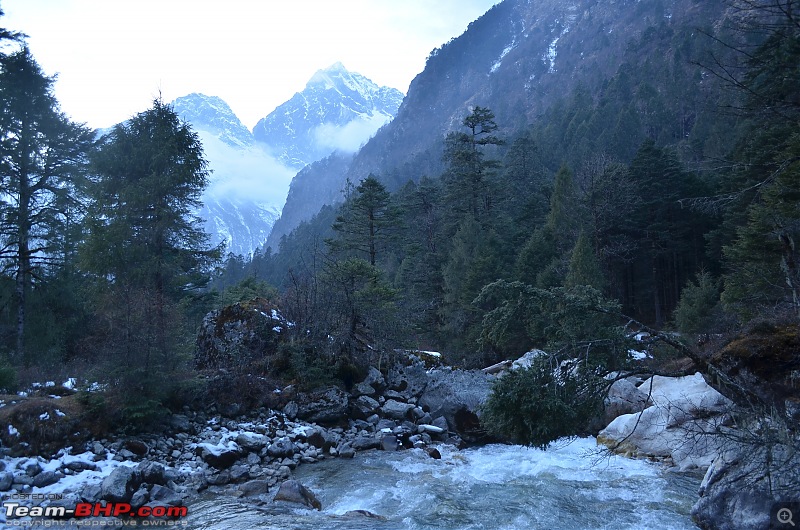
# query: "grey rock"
293, 491
363, 443
78, 466
623, 398
364, 407
239, 473
327, 407
363, 389
92, 493
151, 472
291, 409
220, 458
46, 478
254, 488
140, 497
411, 380
440, 422
386, 424
281, 448
458, 395
165, 495
119, 485
6, 480
397, 410
738, 494
375, 379
33, 469
389, 442
346, 451
180, 423
252, 441
220, 479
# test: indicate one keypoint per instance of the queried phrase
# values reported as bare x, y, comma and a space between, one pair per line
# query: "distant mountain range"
338, 111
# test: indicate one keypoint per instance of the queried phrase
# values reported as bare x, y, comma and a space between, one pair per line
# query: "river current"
569, 486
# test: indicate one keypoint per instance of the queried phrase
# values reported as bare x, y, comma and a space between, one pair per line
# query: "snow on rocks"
679, 424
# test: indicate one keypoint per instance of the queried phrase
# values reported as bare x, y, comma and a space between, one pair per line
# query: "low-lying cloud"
247, 175
350, 137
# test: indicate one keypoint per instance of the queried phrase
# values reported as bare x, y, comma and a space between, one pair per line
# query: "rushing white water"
569, 486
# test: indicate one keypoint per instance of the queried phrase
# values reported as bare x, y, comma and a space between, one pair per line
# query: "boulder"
254, 488
458, 395
180, 423
151, 472
92, 493
409, 379
293, 491
680, 424
137, 447
119, 485
623, 398
281, 448
364, 407
396, 410
364, 514
221, 456
526, 361
165, 495
46, 478
743, 486
140, 497
327, 407
363, 443
6, 480
236, 335
389, 442
375, 379
79, 465
346, 451
252, 442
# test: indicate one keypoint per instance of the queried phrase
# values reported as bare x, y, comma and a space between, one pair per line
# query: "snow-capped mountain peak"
337, 110
213, 115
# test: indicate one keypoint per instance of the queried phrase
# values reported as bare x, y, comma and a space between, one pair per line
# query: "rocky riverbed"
256, 457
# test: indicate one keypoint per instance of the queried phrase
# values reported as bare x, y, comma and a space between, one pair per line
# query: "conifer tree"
145, 247
366, 221
42, 154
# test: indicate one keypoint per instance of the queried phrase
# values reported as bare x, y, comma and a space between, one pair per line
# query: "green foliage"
762, 258
543, 403
41, 157
248, 289
366, 222
8, 377
698, 308
583, 266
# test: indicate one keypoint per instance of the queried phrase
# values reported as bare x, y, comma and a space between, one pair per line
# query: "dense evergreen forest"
617, 209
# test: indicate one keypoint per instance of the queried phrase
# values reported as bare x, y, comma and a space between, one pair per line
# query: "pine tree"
468, 175
583, 266
42, 154
366, 221
145, 247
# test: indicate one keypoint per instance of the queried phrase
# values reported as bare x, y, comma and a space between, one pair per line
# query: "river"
569, 486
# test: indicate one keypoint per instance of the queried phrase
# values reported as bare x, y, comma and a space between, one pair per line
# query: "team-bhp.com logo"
96, 509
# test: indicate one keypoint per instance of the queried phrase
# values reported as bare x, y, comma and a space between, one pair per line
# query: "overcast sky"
113, 57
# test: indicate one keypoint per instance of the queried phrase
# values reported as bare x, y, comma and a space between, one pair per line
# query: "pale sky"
113, 57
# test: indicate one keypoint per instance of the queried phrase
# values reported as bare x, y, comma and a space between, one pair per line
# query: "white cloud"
250, 175
350, 137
